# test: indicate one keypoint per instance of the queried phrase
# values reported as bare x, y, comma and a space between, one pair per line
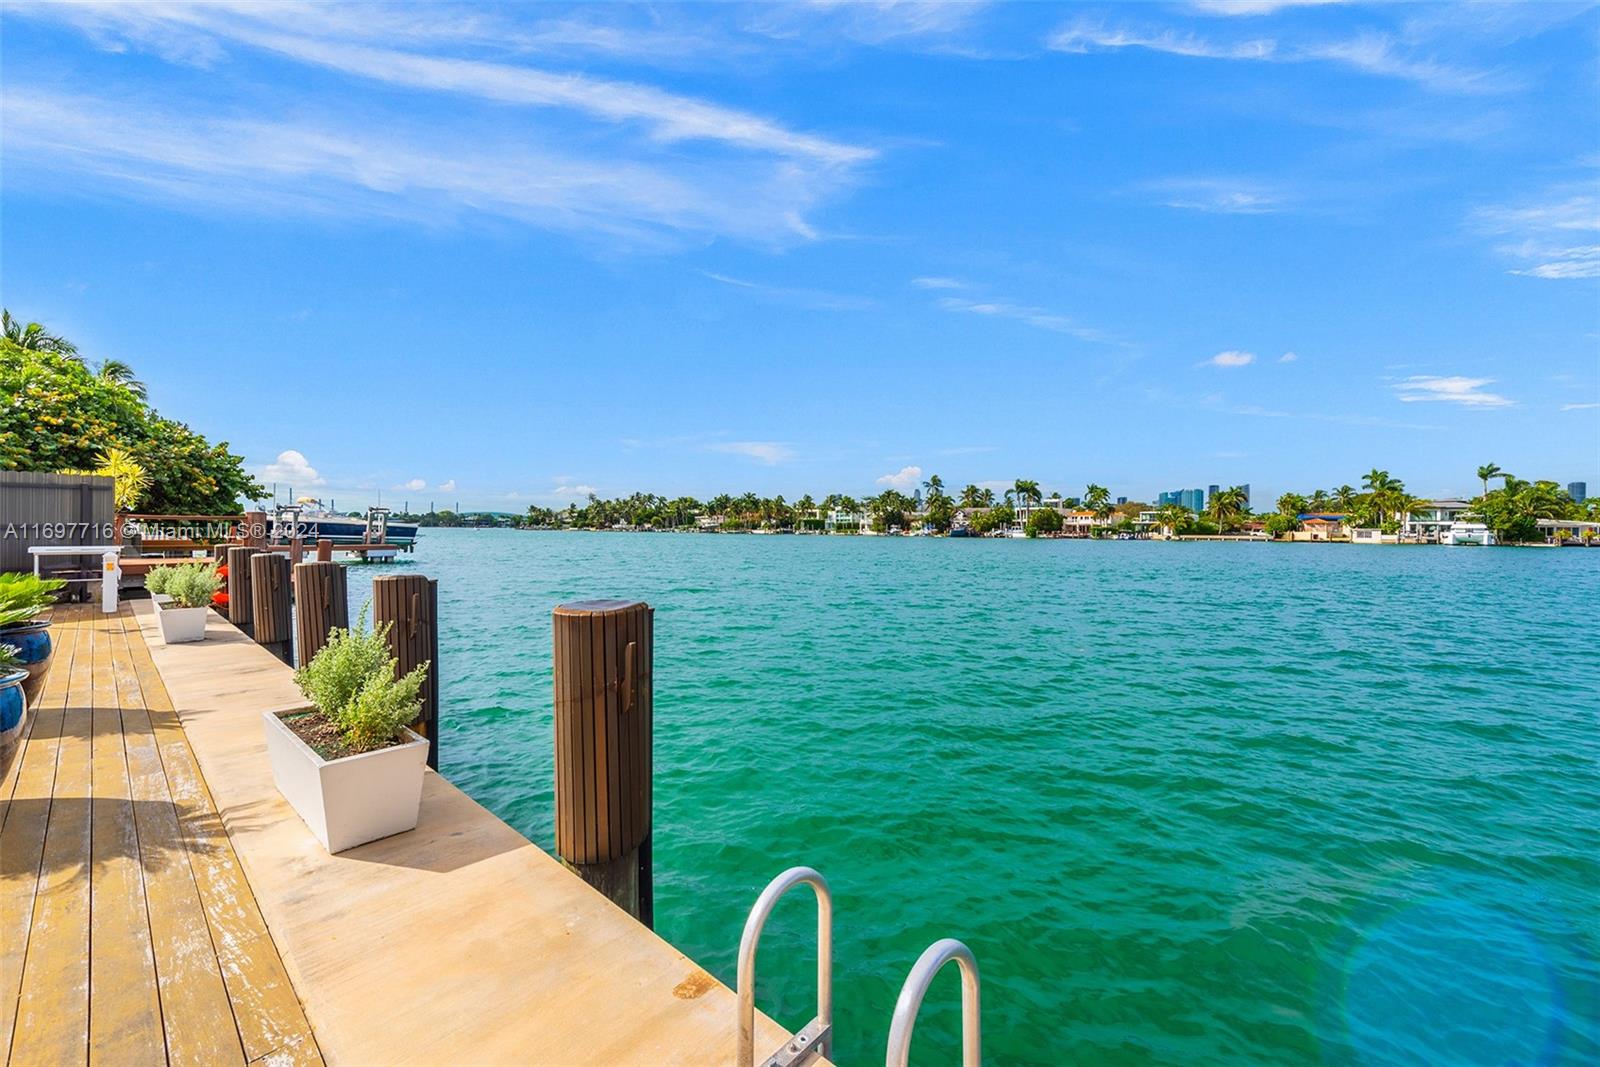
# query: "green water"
1189, 803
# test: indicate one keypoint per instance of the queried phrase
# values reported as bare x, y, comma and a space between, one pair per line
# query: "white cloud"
1219, 196
447, 486
769, 452
1579, 407
815, 299
573, 491
1288, 357
1032, 316
1548, 226
1369, 53
1252, 7
292, 467
902, 479
937, 283
1232, 358
413, 485
1454, 389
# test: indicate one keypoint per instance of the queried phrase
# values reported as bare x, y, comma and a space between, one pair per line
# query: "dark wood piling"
410, 603
321, 602
604, 712
237, 558
269, 603
324, 550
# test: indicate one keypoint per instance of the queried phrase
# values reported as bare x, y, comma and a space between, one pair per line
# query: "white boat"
1466, 533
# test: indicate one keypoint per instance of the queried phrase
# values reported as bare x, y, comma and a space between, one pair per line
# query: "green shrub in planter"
22, 596
192, 585
352, 682
158, 580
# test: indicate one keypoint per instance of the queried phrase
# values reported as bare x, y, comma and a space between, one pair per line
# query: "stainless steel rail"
816, 1037
905, 1009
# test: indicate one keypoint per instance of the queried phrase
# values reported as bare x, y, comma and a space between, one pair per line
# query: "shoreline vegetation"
67, 417
1382, 511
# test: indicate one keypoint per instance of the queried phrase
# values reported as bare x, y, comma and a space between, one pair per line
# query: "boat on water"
314, 522
1466, 533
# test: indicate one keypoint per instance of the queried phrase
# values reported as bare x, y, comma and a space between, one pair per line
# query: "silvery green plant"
8, 659
352, 682
192, 585
158, 580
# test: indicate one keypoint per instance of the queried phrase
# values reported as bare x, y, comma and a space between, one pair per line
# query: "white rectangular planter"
181, 624
350, 801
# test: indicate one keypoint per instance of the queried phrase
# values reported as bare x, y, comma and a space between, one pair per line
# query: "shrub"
192, 584
8, 659
22, 596
158, 579
1043, 521
352, 682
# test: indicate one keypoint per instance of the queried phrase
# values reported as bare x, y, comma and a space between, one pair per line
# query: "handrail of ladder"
818, 1034
905, 1009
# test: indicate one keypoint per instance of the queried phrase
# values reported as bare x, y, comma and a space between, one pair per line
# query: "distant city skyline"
513, 255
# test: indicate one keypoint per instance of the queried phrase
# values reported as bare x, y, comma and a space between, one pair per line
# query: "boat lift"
815, 1039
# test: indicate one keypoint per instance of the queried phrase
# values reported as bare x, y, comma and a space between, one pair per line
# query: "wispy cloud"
1551, 228
771, 453
902, 479
816, 299
1376, 54
1288, 357
1580, 407
1221, 196
1253, 7
566, 151
1450, 389
1231, 358
447, 486
1037, 317
412, 486
938, 283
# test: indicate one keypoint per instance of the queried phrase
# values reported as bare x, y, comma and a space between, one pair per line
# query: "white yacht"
1466, 533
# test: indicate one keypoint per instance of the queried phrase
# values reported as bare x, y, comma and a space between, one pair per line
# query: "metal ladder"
816, 1037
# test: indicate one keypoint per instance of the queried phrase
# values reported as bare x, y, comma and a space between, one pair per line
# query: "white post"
110, 578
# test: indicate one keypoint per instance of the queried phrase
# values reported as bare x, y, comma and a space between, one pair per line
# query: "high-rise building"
1578, 491
1246, 488
1211, 490
1194, 500
1122, 500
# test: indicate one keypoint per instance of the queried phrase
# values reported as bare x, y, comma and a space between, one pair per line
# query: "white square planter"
350, 801
181, 624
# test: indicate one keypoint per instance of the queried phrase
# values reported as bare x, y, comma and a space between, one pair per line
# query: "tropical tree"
35, 338
1043, 521
1097, 498
1487, 471
1226, 506
1026, 491
1345, 497
1513, 512
114, 370
971, 497
1292, 503
1173, 518
935, 487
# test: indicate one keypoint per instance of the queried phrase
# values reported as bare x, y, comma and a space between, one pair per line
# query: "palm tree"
1319, 500
35, 337
114, 370
1226, 505
1172, 518
1345, 497
1382, 489
1097, 498
986, 498
1487, 471
971, 497
1027, 490
935, 487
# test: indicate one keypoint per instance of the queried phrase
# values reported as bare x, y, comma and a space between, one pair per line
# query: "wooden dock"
162, 902
129, 935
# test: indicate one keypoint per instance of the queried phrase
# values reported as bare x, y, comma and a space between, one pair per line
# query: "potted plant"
156, 584
13, 706
348, 764
189, 587
22, 598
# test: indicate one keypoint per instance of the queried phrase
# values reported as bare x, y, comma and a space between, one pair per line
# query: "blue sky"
507, 255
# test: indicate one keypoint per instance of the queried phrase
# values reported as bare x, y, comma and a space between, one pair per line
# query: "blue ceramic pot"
13, 717
34, 649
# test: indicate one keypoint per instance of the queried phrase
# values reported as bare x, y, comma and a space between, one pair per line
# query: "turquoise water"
1197, 803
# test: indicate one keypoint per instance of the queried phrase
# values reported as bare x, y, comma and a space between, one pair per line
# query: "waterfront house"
842, 521
1320, 527
1428, 524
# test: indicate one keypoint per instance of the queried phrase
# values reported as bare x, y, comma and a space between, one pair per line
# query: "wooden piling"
321, 602
269, 603
239, 607
410, 603
255, 529
324, 550
604, 712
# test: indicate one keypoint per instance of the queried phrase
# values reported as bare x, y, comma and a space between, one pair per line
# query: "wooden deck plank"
23, 818
272, 1026
460, 941
196, 1012
52, 1022
124, 1005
